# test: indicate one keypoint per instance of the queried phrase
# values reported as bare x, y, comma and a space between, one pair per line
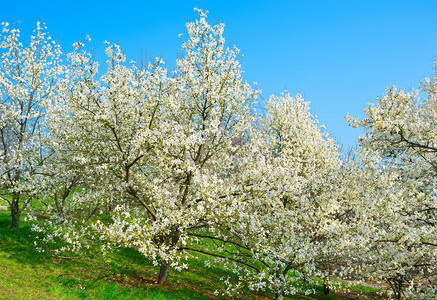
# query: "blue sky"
340, 55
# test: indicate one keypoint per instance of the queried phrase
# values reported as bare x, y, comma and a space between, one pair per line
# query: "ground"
124, 274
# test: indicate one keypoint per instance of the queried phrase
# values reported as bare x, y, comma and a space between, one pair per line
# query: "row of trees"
174, 164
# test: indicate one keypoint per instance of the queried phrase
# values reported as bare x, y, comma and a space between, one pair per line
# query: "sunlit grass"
123, 274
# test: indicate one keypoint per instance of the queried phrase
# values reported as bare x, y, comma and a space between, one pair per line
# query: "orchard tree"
155, 149
278, 226
370, 195
28, 76
401, 128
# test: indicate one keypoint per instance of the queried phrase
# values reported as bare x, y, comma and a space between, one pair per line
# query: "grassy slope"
125, 274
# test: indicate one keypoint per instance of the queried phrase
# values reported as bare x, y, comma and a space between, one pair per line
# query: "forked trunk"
15, 211
163, 273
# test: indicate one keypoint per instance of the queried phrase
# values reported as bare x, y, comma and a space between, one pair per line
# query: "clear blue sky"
340, 55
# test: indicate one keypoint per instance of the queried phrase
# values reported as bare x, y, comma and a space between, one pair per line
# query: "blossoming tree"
401, 128
153, 148
279, 226
28, 75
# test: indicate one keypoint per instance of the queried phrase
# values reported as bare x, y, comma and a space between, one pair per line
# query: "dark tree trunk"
163, 273
326, 289
278, 296
15, 211
171, 239
396, 285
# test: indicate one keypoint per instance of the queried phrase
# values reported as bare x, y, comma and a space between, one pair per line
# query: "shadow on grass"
19, 242
123, 274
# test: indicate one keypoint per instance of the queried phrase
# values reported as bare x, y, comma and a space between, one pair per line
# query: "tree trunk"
278, 296
326, 289
15, 211
171, 239
163, 273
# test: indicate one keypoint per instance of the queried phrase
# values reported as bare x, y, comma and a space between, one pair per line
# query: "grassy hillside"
124, 274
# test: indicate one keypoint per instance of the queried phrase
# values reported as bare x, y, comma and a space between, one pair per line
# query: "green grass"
124, 274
